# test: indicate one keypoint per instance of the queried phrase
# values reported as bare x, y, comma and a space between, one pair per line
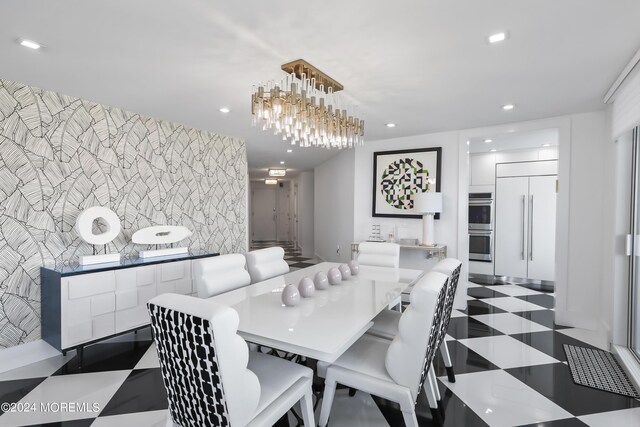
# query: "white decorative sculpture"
161, 235
84, 228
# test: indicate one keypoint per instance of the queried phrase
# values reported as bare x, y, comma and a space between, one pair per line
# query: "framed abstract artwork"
398, 175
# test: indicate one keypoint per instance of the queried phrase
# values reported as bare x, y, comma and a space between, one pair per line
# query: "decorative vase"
345, 271
306, 287
334, 275
354, 267
321, 280
290, 295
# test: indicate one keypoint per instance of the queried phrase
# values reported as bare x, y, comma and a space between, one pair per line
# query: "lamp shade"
427, 202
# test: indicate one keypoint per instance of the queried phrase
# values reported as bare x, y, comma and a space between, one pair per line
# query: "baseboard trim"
25, 354
629, 363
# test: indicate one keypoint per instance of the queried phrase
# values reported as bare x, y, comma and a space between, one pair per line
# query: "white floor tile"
506, 352
456, 313
357, 411
515, 290
501, 400
43, 368
509, 323
147, 419
150, 359
595, 338
80, 389
448, 338
473, 285
624, 417
512, 305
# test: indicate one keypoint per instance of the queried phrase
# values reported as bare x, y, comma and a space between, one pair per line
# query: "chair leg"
306, 407
444, 350
410, 419
327, 401
431, 396
434, 383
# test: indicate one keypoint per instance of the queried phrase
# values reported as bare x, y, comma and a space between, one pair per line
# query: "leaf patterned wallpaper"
60, 155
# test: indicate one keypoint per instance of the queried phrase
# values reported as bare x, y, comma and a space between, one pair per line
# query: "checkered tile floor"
292, 255
506, 349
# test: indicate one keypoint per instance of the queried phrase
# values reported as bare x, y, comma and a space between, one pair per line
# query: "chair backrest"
216, 275
266, 263
380, 254
203, 362
413, 348
451, 267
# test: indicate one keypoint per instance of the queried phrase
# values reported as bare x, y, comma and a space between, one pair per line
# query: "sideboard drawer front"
91, 284
102, 304
126, 299
77, 333
174, 271
103, 326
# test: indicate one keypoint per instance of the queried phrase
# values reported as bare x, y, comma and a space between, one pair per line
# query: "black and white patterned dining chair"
224, 273
395, 370
385, 325
211, 378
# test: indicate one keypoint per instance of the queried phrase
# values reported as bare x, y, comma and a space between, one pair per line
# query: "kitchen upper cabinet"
482, 169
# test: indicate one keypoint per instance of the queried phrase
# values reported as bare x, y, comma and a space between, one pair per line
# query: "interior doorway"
512, 204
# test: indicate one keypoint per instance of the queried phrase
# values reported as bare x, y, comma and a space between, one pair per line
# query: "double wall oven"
481, 211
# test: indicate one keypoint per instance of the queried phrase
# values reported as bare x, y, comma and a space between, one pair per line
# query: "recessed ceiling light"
493, 150
468, 142
224, 110
508, 107
282, 163
546, 145
390, 125
488, 140
30, 44
497, 37
289, 151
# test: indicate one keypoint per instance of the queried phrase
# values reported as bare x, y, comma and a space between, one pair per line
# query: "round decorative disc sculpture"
84, 225
306, 287
345, 271
290, 295
321, 280
334, 275
354, 267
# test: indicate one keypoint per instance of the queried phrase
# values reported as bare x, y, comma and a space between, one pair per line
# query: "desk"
438, 251
321, 327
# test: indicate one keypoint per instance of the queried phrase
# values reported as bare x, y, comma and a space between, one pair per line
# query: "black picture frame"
379, 157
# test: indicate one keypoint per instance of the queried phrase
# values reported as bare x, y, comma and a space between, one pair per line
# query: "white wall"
306, 213
334, 205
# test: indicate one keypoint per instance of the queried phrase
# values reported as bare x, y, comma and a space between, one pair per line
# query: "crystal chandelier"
304, 108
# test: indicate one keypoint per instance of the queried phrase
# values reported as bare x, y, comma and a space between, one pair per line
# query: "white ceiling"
424, 64
514, 140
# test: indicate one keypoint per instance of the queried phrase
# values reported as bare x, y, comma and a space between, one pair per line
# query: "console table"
436, 251
85, 304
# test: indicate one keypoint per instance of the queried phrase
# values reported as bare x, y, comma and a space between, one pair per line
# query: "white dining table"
325, 325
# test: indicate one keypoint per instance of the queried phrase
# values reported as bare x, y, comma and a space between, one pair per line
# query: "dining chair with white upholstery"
380, 254
266, 263
385, 325
395, 370
216, 275
210, 377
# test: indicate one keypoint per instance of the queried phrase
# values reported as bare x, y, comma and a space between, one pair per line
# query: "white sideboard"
81, 305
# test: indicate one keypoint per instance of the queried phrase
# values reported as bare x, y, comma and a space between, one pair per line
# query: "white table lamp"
428, 204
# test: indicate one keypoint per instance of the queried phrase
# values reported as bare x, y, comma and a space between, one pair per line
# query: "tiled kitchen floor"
507, 354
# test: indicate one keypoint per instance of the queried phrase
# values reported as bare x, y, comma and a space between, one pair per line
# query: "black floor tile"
484, 292
567, 422
111, 356
85, 422
456, 412
14, 390
546, 301
464, 360
142, 391
554, 382
542, 317
301, 265
476, 307
549, 342
466, 327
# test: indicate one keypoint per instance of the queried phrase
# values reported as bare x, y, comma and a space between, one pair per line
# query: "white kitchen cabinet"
482, 169
525, 227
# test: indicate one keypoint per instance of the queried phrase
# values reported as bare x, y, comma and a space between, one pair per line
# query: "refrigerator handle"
522, 248
531, 229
